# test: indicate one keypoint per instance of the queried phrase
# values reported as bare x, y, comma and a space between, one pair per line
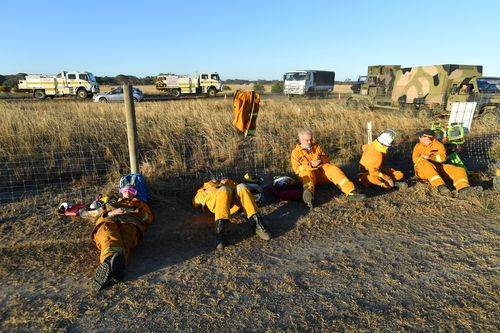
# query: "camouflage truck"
429, 89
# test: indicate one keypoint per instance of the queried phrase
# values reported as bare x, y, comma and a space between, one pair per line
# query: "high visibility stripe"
308, 184
343, 181
200, 201
380, 174
434, 178
145, 217
381, 184
113, 249
438, 158
461, 180
238, 188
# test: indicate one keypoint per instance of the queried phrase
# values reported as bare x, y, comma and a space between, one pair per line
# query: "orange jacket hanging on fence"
372, 171
433, 169
322, 174
246, 110
122, 232
226, 199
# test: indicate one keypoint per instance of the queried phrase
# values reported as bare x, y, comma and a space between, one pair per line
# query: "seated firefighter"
118, 230
312, 166
372, 171
224, 199
429, 156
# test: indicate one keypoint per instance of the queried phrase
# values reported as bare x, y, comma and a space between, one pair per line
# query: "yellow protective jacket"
301, 158
140, 215
246, 110
199, 200
435, 151
373, 158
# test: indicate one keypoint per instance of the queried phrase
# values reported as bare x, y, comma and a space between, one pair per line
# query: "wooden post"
369, 132
131, 127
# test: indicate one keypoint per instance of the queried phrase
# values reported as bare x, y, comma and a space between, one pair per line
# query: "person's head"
128, 192
305, 138
426, 136
387, 137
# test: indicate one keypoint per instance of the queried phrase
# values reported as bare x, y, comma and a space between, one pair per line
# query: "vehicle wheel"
103, 100
40, 94
176, 93
82, 93
212, 92
136, 100
490, 117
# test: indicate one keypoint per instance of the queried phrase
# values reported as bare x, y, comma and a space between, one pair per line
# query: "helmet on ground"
387, 137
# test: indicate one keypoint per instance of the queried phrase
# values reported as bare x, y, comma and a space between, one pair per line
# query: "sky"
245, 39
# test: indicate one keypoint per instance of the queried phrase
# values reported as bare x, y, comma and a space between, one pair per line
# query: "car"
116, 95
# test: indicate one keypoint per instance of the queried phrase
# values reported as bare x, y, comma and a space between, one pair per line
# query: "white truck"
207, 83
308, 83
79, 84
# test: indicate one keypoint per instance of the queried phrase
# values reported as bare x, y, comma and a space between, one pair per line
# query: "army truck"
79, 84
308, 83
429, 89
207, 83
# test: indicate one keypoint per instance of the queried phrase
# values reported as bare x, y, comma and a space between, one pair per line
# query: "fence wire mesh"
77, 170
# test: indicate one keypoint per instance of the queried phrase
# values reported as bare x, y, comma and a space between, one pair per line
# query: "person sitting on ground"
118, 230
429, 156
226, 198
312, 165
371, 164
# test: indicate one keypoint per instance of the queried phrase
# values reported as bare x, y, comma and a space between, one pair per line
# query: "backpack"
286, 188
137, 181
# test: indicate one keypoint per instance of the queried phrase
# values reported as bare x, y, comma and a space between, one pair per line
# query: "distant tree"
2, 78
277, 87
4, 88
259, 87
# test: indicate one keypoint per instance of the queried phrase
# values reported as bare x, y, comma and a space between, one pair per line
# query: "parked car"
116, 95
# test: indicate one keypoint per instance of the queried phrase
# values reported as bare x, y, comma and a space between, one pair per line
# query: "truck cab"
485, 91
308, 82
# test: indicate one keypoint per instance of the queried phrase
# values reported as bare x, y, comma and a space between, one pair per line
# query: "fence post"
131, 127
369, 132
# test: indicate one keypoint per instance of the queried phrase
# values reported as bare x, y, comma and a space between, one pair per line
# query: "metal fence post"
369, 132
131, 127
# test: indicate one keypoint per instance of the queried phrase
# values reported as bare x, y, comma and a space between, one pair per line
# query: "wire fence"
78, 170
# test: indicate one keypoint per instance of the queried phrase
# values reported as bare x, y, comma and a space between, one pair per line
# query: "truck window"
83, 77
214, 77
71, 76
204, 76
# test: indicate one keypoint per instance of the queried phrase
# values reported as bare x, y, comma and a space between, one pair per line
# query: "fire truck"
79, 84
207, 83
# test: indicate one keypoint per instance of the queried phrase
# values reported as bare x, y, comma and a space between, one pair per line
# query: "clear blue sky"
245, 39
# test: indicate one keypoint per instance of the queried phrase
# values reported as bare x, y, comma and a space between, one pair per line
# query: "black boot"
220, 242
260, 228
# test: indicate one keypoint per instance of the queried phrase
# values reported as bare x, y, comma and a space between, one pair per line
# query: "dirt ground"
400, 261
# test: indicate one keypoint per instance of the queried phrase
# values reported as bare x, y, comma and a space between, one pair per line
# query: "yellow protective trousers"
111, 237
437, 173
323, 175
220, 200
366, 179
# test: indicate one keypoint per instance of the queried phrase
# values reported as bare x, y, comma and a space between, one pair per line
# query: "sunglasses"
128, 189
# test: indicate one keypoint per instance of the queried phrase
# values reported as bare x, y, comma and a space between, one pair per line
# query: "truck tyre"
176, 93
212, 92
136, 100
40, 94
103, 100
82, 93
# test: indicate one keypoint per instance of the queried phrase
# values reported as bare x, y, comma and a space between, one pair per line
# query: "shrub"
259, 87
4, 88
277, 87
224, 88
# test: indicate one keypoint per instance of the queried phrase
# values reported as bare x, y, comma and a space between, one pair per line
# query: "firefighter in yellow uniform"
312, 165
428, 158
224, 199
118, 230
371, 164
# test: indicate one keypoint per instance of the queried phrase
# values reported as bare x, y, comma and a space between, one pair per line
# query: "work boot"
401, 185
102, 276
443, 189
117, 265
355, 196
469, 191
308, 198
220, 241
260, 228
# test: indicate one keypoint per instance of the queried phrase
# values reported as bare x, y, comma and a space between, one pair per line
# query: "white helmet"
387, 137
